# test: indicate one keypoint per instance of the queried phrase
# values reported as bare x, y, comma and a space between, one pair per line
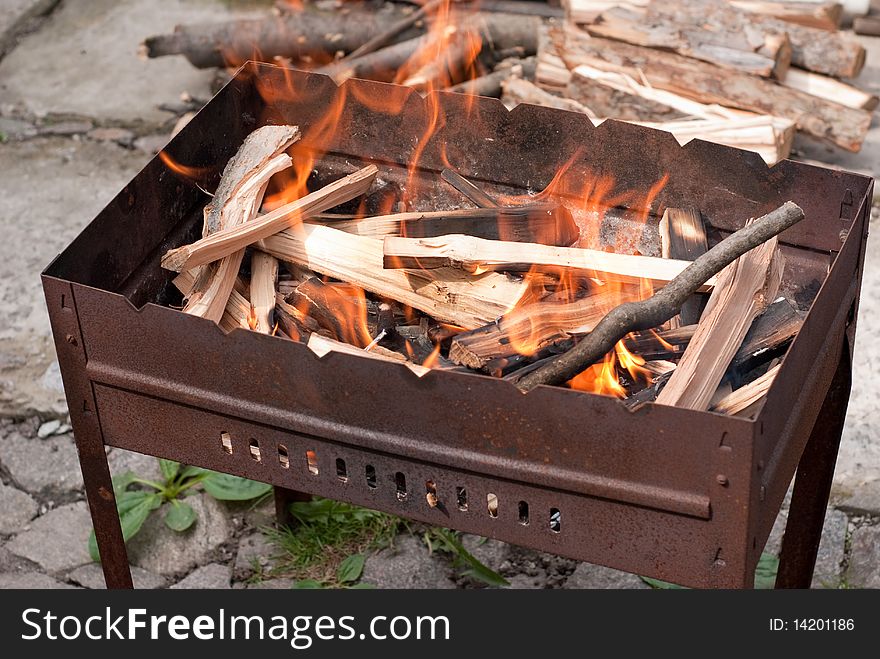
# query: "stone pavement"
79, 115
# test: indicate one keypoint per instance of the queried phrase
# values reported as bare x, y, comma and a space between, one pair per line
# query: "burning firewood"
295, 324
344, 318
544, 223
235, 202
478, 255
264, 272
683, 236
233, 238
742, 399
529, 328
447, 294
634, 316
744, 288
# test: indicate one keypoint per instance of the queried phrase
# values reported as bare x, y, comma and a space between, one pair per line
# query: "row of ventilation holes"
399, 480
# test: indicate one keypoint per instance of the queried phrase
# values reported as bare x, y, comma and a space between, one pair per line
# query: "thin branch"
645, 314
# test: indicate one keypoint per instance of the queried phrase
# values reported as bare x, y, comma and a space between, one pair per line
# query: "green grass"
329, 532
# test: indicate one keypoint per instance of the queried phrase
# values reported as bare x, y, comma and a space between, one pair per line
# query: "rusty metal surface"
664, 492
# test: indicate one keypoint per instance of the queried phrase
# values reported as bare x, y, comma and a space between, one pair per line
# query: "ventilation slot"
226, 442
312, 461
400, 483
524, 513
341, 472
254, 447
461, 498
370, 474
283, 456
555, 520
492, 504
431, 494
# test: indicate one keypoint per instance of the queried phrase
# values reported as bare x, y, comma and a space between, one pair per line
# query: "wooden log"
392, 32
447, 294
825, 15
645, 314
813, 49
821, 15
264, 273
345, 318
235, 202
498, 32
518, 91
256, 151
528, 329
830, 89
321, 345
742, 401
478, 255
308, 34
619, 96
490, 84
214, 281
683, 237
833, 122
544, 223
238, 308
770, 332
867, 25
744, 289
231, 239
724, 36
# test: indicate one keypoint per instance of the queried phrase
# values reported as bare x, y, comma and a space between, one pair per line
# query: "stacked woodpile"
746, 73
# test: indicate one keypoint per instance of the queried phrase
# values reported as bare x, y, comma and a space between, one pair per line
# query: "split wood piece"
821, 15
771, 137
468, 189
726, 37
742, 399
830, 89
478, 255
530, 328
867, 25
551, 71
321, 345
295, 324
344, 317
490, 84
683, 236
772, 330
258, 148
501, 32
237, 311
447, 294
309, 33
232, 239
264, 273
826, 120
824, 15
812, 49
517, 90
633, 316
544, 223
215, 281
744, 289
184, 282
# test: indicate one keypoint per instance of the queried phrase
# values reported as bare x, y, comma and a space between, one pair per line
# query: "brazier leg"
812, 485
283, 499
102, 504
